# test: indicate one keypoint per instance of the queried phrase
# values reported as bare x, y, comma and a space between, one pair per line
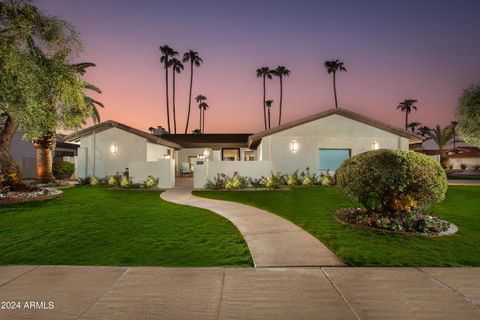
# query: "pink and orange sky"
427, 50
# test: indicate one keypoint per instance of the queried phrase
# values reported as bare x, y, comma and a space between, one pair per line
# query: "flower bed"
39, 195
410, 223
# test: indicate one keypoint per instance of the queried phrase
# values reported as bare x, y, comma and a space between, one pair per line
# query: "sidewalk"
272, 240
216, 293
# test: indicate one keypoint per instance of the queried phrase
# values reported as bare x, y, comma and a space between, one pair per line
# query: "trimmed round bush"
63, 169
392, 181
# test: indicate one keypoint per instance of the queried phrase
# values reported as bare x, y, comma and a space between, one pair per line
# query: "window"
230, 154
249, 155
331, 159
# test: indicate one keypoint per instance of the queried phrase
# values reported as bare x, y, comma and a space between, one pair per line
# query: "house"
320, 142
459, 155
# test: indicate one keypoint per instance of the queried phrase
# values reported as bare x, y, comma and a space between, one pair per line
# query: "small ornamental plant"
94, 181
235, 182
307, 178
113, 181
125, 182
151, 182
274, 181
293, 179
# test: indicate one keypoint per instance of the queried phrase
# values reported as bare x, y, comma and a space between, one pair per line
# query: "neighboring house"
461, 154
320, 142
24, 154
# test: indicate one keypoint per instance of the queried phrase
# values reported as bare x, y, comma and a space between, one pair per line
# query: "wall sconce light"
294, 146
166, 156
206, 153
113, 149
375, 145
201, 157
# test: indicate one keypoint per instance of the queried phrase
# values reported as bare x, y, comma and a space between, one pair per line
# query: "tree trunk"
173, 102
200, 125
335, 90
269, 124
43, 151
203, 121
281, 101
264, 108
406, 120
166, 94
189, 96
9, 171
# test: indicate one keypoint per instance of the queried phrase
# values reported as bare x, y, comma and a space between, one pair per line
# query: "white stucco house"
320, 142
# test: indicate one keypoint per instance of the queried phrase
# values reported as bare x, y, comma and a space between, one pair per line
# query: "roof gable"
254, 140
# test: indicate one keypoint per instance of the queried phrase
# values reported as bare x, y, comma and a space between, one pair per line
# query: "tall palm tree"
453, 125
200, 99
413, 125
177, 67
167, 53
424, 130
196, 61
334, 66
441, 136
268, 104
407, 106
203, 107
264, 73
280, 72
89, 101
197, 131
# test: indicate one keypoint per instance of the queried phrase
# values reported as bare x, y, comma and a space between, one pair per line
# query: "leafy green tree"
39, 91
167, 53
268, 104
177, 67
468, 115
264, 73
196, 61
281, 72
407, 106
334, 66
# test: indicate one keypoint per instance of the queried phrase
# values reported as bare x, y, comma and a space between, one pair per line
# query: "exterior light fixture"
375, 145
294, 146
113, 149
167, 156
201, 156
206, 153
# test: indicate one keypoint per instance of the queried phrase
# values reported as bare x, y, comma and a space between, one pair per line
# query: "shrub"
151, 182
392, 181
114, 181
463, 166
476, 167
257, 183
94, 181
83, 181
307, 178
293, 179
274, 181
63, 169
235, 182
218, 182
125, 182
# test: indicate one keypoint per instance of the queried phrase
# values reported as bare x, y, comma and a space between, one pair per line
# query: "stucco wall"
163, 169
470, 162
335, 131
156, 152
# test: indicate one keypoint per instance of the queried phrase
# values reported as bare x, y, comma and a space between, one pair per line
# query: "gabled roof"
254, 140
113, 124
209, 140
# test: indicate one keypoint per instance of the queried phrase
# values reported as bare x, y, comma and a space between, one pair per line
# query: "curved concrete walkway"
272, 240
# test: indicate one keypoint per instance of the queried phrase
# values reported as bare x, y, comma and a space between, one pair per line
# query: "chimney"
159, 131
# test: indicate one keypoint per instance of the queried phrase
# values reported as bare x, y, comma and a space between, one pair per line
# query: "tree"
334, 66
203, 107
196, 61
167, 53
468, 115
177, 67
407, 106
453, 125
200, 99
423, 130
441, 136
197, 131
81, 68
413, 125
280, 72
264, 73
268, 104
39, 91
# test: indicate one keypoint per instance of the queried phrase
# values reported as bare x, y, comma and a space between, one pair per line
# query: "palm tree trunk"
200, 125
264, 108
173, 102
269, 125
43, 150
281, 101
189, 96
406, 120
335, 90
203, 121
166, 93
9, 171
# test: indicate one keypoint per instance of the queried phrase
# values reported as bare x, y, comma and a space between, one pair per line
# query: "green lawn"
95, 226
313, 208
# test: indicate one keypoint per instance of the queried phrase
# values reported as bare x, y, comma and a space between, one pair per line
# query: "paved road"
251, 293
272, 240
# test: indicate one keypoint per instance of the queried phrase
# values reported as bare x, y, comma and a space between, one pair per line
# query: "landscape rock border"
21, 197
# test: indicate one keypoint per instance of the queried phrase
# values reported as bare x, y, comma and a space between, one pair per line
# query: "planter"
19, 197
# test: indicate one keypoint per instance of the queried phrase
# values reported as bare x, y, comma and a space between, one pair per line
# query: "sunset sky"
427, 50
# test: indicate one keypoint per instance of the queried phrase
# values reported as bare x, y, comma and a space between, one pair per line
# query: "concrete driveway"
63, 292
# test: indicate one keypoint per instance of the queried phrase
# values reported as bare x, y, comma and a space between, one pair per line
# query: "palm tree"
407, 106
453, 125
89, 101
413, 126
196, 61
167, 53
268, 104
197, 131
203, 107
151, 130
264, 72
424, 130
200, 99
441, 136
280, 72
177, 67
334, 66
